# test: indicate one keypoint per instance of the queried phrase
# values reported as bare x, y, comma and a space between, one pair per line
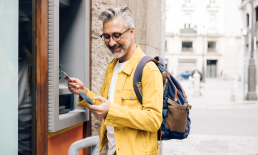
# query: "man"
128, 127
201, 77
196, 70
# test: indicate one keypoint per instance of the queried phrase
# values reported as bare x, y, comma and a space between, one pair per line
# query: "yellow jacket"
135, 124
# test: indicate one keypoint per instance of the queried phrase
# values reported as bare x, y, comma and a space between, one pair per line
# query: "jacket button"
131, 96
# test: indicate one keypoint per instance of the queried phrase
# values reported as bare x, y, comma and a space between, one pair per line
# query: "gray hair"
122, 11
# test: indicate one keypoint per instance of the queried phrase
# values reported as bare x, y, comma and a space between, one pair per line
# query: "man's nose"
112, 42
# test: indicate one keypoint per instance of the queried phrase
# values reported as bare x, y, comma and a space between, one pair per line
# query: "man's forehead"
114, 25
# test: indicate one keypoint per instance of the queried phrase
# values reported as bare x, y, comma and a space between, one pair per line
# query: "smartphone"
86, 98
67, 78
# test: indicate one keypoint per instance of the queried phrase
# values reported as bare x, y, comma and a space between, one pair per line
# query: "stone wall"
147, 17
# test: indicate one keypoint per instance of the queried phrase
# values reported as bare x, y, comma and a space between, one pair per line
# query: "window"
247, 19
212, 46
187, 46
27, 73
18, 71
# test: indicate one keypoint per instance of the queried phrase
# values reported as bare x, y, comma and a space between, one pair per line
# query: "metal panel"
68, 44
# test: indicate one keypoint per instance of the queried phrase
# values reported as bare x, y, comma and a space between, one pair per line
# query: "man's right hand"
77, 86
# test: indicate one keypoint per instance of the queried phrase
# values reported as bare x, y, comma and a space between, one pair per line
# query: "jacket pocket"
129, 95
130, 100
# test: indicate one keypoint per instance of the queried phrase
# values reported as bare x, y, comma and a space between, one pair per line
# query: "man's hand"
76, 86
100, 111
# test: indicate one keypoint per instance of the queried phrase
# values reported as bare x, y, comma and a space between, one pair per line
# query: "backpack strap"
137, 85
184, 93
165, 80
159, 60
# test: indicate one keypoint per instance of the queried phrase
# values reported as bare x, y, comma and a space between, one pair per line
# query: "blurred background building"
217, 37
205, 34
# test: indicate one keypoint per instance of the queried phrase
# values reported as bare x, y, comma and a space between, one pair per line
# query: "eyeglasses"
115, 36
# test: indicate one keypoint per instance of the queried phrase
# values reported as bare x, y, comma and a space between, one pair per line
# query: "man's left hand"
100, 111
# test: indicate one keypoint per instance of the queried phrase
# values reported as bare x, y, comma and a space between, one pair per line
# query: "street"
228, 122
219, 126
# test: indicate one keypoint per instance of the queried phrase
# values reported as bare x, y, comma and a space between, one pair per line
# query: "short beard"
124, 48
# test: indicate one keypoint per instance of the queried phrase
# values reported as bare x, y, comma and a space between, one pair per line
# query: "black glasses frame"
120, 34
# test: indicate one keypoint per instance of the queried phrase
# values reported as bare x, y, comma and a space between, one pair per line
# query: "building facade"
204, 34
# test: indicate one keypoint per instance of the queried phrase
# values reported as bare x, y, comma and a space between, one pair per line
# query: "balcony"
188, 31
187, 49
212, 50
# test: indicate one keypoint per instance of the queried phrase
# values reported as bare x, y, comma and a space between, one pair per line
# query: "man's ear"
132, 33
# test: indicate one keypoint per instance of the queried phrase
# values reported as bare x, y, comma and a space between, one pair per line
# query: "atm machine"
68, 51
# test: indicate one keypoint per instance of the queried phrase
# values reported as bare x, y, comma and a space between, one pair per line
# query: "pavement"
236, 132
212, 145
216, 93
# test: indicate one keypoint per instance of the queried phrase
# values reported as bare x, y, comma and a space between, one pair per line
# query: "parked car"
185, 74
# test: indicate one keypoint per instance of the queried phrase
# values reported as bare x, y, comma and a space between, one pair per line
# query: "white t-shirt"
111, 94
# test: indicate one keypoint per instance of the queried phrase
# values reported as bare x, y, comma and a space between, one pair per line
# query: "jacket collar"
137, 55
112, 64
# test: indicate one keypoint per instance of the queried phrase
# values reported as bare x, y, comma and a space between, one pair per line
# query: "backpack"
176, 121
